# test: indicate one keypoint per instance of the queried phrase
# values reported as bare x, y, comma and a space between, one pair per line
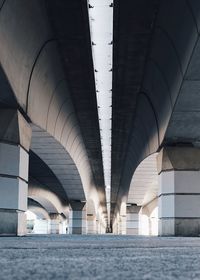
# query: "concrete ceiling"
184, 123
133, 27
47, 72
155, 74
70, 23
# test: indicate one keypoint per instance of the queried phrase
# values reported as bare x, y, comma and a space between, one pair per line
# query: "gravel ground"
99, 257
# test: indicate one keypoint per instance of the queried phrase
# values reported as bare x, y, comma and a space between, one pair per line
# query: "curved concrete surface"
157, 62
49, 200
31, 59
38, 210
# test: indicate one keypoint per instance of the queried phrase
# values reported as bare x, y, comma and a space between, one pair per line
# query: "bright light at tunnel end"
101, 30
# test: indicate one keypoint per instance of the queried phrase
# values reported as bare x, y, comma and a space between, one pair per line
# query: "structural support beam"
56, 223
15, 135
122, 224
77, 218
91, 224
179, 191
100, 225
132, 219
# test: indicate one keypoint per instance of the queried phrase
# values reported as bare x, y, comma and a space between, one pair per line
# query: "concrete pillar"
132, 219
122, 224
179, 191
77, 218
91, 224
56, 226
100, 225
115, 227
15, 136
148, 218
122, 218
116, 224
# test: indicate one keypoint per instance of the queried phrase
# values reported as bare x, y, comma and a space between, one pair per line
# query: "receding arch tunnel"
52, 85
99, 133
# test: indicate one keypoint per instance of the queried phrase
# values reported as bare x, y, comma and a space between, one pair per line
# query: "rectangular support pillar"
13, 189
15, 137
91, 224
132, 220
56, 223
77, 218
179, 203
122, 224
179, 191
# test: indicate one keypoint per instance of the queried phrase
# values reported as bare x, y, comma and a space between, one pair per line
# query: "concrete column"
91, 224
100, 225
115, 227
179, 191
122, 224
148, 218
15, 136
116, 224
56, 226
132, 219
77, 218
103, 226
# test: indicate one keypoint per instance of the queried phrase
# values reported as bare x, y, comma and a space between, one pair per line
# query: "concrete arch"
50, 151
170, 48
31, 60
144, 184
38, 210
49, 200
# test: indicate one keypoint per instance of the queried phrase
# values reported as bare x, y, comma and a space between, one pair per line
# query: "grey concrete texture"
178, 158
14, 128
60, 162
33, 64
170, 74
99, 257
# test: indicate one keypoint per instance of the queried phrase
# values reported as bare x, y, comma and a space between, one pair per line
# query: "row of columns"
76, 224
179, 188
128, 222
178, 196
15, 139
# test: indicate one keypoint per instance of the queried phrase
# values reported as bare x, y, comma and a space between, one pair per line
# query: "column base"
179, 227
132, 231
12, 222
77, 230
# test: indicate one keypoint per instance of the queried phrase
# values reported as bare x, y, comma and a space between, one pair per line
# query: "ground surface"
99, 257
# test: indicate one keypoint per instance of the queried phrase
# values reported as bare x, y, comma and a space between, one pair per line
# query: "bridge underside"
52, 144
